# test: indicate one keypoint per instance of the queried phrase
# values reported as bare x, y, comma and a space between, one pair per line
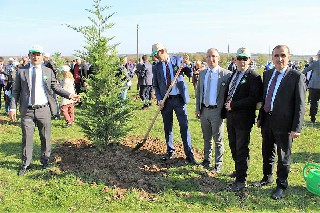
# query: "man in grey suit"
209, 102
314, 87
145, 81
37, 105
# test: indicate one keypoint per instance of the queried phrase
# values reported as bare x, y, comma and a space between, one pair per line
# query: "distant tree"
58, 59
261, 60
105, 115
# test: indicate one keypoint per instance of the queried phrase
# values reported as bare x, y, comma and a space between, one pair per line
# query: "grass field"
68, 192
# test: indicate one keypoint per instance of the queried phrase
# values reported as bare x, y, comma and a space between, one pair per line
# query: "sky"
181, 25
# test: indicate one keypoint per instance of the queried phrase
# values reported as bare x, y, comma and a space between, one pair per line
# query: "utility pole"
137, 43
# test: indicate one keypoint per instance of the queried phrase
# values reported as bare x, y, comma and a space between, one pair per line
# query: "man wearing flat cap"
163, 75
243, 93
31, 89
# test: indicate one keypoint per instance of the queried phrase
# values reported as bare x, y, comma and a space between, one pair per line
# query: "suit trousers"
275, 141
212, 127
42, 118
176, 104
239, 139
314, 101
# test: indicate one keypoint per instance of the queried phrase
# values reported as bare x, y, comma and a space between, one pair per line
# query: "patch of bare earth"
121, 168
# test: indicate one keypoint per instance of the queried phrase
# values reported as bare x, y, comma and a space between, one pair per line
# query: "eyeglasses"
242, 58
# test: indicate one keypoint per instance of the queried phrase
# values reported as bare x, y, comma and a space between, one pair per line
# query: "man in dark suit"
163, 75
145, 81
241, 98
280, 118
32, 88
209, 102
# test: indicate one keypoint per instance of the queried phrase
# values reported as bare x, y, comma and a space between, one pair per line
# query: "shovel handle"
158, 110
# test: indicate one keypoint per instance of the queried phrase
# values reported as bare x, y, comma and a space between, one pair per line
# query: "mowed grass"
38, 191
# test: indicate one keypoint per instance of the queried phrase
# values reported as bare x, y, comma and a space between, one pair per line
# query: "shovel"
144, 140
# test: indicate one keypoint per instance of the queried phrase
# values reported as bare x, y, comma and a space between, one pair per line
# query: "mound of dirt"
118, 166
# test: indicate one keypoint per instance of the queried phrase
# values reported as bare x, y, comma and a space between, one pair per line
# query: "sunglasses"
242, 58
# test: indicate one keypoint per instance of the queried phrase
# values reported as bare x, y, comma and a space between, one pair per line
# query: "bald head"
212, 57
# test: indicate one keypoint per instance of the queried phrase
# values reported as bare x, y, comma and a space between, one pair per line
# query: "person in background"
163, 75
195, 76
67, 105
48, 62
232, 66
31, 89
314, 87
280, 118
2, 79
145, 82
209, 102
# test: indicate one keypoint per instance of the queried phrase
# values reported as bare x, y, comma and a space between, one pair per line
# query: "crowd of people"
232, 95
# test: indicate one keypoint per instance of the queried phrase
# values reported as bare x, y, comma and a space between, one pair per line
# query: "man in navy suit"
243, 93
163, 75
280, 118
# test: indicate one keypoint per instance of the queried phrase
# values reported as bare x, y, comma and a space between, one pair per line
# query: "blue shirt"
174, 90
213, 85
279, 79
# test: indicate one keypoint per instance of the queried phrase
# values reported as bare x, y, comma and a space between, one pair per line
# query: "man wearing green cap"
241, 98
31, 89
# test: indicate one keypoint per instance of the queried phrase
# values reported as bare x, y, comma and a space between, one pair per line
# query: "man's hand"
85, 84
197, 113
161, 104
74, 97
228, 106
13, 116
294, 134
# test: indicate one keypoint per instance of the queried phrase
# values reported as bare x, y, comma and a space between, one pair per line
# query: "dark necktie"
267, 102
33, 89
233, 86
207, 97
168, 75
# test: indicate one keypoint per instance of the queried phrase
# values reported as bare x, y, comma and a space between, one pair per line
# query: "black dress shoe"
46, 166
206, 164
167, 156
278, 193
192, 161
232, 174
22, 171
263, 182
237, 186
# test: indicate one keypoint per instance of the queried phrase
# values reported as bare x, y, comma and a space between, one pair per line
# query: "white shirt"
213, 85
40, 94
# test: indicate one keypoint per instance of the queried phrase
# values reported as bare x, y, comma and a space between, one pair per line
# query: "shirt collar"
214, 69
283, 70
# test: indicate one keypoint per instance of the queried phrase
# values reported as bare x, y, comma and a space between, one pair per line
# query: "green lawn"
38, 192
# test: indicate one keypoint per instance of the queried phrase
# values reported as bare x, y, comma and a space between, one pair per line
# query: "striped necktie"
267, 102
233, 87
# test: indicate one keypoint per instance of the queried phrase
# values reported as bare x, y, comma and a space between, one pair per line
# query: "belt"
174, 96
210, 106
38, 106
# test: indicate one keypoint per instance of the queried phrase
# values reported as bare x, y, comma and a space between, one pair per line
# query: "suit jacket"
159, 81
145, 74
223, 76
22, 90
314, 82
245, 98
289, 103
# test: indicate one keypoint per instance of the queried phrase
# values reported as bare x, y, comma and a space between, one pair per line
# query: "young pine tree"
105, 115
